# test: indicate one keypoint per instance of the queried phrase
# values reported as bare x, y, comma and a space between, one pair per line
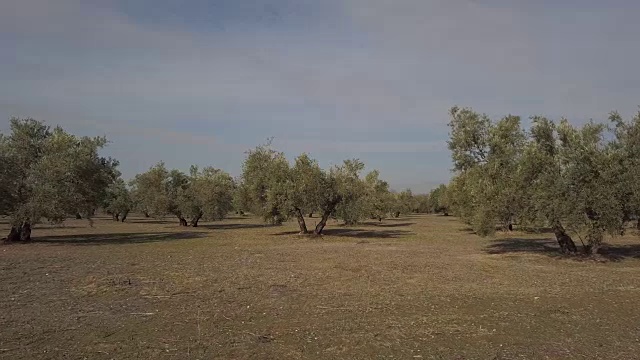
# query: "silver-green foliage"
208, 195
579, 179
51, 174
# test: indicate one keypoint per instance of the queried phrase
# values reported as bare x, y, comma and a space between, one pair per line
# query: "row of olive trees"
269, 187
202, 194
578, 180
49, 174
276, 190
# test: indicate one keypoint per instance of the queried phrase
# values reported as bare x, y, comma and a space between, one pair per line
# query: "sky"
200, 82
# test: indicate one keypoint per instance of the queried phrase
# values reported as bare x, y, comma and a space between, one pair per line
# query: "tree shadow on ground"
233, 226
378, 224
620, 252
359, 233
402, 218
152, 221
116, 238
549, 247
519, 245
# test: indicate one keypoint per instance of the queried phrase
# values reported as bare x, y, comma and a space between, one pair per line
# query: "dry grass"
415, 287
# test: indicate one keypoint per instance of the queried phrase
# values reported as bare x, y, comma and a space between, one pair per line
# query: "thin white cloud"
390, 64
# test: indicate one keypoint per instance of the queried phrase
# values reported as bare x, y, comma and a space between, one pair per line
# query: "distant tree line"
49, 175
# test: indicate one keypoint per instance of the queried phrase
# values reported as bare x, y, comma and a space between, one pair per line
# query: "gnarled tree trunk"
183, 221
195, 219
323, 222
25, 233
78, 216
567, 246
124, 216
325, 215
301, 223
20, 233
146, 214
594, 240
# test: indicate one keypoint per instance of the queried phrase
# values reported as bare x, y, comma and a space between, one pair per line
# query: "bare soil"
417, 287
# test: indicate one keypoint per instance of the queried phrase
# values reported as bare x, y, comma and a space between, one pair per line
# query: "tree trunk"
116, 217
322, 223
25, 232
146, 214
20, 233
301, 223
195, 219
567, 246
14, 234
124, 216
78, 216
397, 214
183, 221
310, 214
638, 223
594, 240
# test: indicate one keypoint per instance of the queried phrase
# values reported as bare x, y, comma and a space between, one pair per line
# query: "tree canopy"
50, 174
576, 179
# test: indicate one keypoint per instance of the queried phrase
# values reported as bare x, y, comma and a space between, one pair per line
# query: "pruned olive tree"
377, 198
486, 158
546, 194
156, 191
208, 196
266, 179
273, 189
403, 203
353, 208
118, 201
592, 206
421, 205
625, 165
49, 174
439, 200
305, 189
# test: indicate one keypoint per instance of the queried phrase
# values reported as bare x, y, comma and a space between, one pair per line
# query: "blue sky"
202, 81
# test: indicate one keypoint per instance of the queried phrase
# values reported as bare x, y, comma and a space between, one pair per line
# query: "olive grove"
578, 180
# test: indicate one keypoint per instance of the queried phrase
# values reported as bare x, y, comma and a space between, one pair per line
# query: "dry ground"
409, 288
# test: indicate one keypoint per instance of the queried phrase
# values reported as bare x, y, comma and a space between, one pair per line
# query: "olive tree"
421, 205
592, 207
208, 196
49, 173
379, 201
118, 201
156, 191
625, 165
266, 178
439, 200
353, 207
403, 203
273, 189
486, 156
